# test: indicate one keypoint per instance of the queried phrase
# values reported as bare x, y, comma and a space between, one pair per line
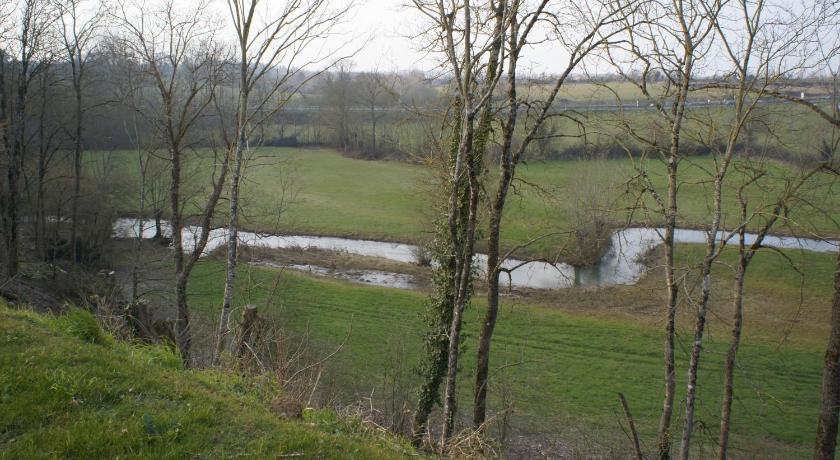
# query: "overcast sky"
388, 25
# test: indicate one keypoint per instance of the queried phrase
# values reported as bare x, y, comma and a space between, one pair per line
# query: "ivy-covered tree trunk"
438, 316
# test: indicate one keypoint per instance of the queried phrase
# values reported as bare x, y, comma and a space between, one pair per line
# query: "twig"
326, 358
632, 424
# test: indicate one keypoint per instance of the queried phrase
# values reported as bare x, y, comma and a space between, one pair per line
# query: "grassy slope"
567, 368
61, 397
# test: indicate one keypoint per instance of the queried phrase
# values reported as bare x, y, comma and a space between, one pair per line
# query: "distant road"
587, 107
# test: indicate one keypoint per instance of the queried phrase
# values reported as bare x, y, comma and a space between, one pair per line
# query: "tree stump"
250, 331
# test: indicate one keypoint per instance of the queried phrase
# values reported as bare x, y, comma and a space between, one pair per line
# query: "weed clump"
83, 325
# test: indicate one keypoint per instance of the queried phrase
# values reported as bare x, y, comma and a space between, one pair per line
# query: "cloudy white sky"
388, 26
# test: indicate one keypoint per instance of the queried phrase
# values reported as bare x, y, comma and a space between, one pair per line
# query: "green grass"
63, 397
336, 195
562, 370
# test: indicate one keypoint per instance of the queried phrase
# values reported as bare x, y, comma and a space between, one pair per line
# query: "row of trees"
184, 94
661, 48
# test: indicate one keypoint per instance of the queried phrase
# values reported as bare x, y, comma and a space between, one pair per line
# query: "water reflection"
621, 264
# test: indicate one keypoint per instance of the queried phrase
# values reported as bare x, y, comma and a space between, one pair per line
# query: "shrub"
83, 325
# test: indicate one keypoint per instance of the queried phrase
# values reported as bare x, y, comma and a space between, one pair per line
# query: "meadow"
326, 193
560, 357
560, 363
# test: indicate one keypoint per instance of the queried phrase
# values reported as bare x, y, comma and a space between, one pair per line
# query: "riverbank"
622, 264
321, 192
559, 361
553, 346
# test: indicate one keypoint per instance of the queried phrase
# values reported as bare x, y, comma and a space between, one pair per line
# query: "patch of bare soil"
333, 260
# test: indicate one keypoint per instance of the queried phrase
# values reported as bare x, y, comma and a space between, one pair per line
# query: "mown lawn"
562, 370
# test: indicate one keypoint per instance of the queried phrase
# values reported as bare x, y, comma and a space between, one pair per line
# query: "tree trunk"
5, 125
493, 264
732, 353
827, 426
158, 214
138, 241
664, 443
373, 130
14, 170
678, 111
40, 212
77, 172
435, 344
694, 361
488, 326
702, 310
233, 227
250, 331
440, 308
183, 335
182, 330
464, 281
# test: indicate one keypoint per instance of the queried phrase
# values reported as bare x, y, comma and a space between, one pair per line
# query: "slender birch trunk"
233, 226
671, 293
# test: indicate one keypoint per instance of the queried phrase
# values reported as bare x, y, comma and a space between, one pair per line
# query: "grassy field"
788, 127
334, 195
67, 390
606, 92
561, 366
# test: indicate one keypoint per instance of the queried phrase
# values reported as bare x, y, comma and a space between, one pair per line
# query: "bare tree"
597, 25
376, 92
48, 139
272, 42
764, 44
335, 105
470, 37
78, 30
176, 50
669, 39
752, 51
30, 40
828, 19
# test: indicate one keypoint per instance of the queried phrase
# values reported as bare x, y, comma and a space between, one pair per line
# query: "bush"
589, 211
83, 325
591, 240
422, 256
282, 141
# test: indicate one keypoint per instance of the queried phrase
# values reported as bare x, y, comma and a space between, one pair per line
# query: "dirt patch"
332, 260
